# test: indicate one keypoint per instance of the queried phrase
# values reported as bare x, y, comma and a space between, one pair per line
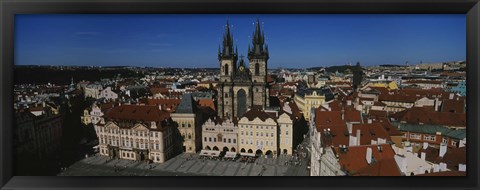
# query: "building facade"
138, 132
220, 135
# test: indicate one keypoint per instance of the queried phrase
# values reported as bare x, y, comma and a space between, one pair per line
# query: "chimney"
358, 137
425, 145
153, 125
369, 121
368, 155
423, 155
420, 170
443, 150
443, 167
343, 114
451, 96
349, 102
436, 168
349, 127
462, 167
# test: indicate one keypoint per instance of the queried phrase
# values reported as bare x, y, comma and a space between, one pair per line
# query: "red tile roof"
453, 105
157, 90
377, 113
331, 120
354, 161
257, 112
417, 115
369, 132
353, 116
137, 113
207, 102
391, 130
167, 104
452, 157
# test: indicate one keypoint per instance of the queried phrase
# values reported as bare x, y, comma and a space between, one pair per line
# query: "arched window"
257, 69
225, 68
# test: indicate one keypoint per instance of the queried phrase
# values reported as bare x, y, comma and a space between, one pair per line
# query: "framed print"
227, 94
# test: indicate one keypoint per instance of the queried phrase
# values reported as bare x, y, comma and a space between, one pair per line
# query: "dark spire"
258, 43
227, 50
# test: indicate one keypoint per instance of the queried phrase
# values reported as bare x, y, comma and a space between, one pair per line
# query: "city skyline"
295, 41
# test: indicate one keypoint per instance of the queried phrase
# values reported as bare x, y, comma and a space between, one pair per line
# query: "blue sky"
295, 41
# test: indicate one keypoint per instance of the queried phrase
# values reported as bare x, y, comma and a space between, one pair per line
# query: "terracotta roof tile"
452, 157
207, 102
453, 105
137, 113
417, 115
369, 132
354, 161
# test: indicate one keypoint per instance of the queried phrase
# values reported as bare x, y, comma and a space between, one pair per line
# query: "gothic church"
242, 87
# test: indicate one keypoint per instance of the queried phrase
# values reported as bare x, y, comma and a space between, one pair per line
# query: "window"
412, 136
257, 134
257, 69
286, 132
241, 141
261, 134
229, 141
429, 138
242, 132
266, 134
224, 140
251, 133
234, 140
189, 125
454, 143
209, 139
225, 69
214, 139
271, 134
445, 140
205, 139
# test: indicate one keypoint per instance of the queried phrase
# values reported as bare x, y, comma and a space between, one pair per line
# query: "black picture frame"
11, 7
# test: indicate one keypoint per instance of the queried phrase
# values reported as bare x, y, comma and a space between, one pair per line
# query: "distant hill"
387, 65
43, 75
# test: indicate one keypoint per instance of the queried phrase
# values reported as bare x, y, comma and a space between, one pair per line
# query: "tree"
357, 76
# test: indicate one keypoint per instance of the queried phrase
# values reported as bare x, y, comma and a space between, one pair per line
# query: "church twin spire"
258, 48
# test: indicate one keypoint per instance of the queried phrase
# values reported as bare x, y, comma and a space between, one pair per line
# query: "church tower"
227, 57
228, 64
258, 57
240, 88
